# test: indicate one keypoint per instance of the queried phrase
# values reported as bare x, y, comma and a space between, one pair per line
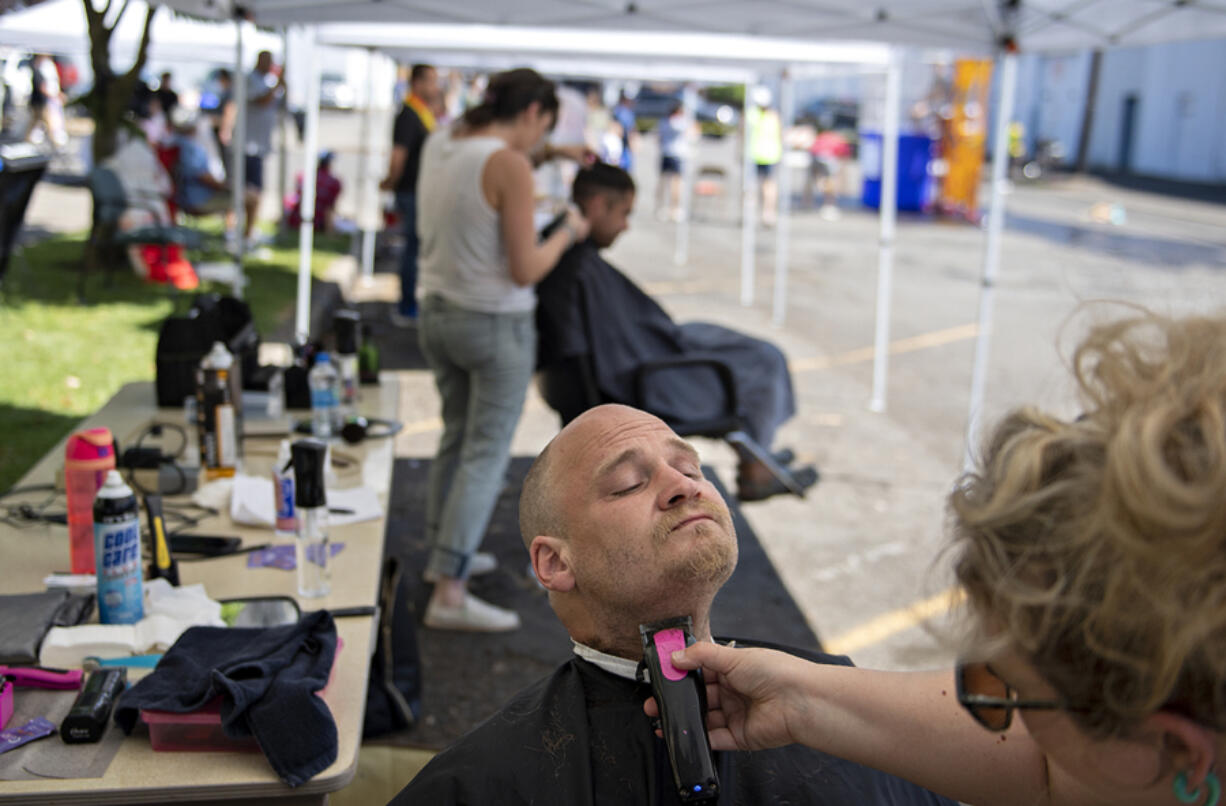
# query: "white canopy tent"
998, 27
965, 24
59, 26
624, 55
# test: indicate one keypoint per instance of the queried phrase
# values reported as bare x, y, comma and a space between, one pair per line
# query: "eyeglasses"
992, 701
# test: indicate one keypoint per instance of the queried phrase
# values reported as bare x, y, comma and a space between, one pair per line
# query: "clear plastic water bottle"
325, 393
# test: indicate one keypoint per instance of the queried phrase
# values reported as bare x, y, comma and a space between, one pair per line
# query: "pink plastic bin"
200, 730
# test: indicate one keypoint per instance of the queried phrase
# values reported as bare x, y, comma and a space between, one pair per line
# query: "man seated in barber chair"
197, 190
623, 529
603, 340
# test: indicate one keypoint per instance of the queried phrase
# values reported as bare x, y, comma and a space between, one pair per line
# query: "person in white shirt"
46, 102
265, 91
479, 261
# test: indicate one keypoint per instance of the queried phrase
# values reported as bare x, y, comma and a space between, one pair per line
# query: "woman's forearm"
911, 725
530, 269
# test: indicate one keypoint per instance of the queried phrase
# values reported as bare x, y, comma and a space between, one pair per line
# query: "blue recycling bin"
915, 184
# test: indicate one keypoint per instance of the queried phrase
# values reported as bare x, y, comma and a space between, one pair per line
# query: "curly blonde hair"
1097, 547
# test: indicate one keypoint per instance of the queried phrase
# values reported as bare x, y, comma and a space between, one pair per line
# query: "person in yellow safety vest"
766, 146
1017, 145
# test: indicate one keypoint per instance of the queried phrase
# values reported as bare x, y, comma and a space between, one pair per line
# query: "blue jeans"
482, 363
406, 205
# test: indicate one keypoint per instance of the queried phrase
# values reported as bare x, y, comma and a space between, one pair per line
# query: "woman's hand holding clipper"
754, 696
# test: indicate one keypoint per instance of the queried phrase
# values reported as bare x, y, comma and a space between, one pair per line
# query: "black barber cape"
580, 738
585, 306
266, 677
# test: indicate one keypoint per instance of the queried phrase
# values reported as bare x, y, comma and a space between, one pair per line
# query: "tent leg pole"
366, 179
681, 247
749, 205
783, 228
238, 150
888, 209
368, 255
991, 253
283, 187
306, 230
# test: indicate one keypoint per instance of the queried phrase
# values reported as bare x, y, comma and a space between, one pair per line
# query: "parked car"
653, 103
831, 113
335, 92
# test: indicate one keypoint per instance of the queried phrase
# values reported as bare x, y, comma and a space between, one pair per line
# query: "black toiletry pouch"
26, 617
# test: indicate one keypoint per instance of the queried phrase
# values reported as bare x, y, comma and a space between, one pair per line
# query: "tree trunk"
108, 101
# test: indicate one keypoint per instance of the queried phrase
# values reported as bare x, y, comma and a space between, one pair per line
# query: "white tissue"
169, 611
251, 503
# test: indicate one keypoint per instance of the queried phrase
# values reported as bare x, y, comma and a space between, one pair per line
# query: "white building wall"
1122, 74
1185, 89
1064, 80
1180, 124
1027, 106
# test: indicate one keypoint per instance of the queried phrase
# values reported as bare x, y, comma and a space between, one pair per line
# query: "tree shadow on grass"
25, 435
48, 272
272, 293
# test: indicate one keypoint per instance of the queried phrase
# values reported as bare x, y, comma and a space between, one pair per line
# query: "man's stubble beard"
712, 558
618, 595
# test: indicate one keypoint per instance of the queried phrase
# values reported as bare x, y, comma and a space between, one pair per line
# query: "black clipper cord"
682, 697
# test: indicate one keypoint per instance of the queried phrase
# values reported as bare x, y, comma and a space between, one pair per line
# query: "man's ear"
1191, 747
588, 206
551, 562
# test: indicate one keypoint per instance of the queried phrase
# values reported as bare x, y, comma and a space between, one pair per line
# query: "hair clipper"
89, 715
682, 697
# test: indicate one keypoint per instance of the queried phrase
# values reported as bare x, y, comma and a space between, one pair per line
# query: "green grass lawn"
64, 360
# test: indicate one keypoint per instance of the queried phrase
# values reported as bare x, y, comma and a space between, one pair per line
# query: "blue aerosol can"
117, 553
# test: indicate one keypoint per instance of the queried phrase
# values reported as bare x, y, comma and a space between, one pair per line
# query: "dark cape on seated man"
587, 307
624, 529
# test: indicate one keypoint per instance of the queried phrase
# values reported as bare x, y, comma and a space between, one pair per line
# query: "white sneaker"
400, 320
479, 564
472, 616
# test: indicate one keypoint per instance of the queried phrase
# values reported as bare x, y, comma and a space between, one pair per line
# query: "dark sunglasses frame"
974, 702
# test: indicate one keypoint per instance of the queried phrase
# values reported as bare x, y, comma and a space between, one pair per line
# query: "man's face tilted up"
641, 533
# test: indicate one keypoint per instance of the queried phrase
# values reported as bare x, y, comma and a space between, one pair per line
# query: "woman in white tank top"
479, 261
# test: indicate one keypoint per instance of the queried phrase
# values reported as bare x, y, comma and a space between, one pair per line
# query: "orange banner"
962, 139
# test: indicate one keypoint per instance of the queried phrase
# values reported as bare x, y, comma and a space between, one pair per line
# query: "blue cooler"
915, 184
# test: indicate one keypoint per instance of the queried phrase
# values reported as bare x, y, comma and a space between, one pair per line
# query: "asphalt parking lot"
861, 554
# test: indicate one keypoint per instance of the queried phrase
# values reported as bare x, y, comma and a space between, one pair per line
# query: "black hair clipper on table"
682, 697
89, 715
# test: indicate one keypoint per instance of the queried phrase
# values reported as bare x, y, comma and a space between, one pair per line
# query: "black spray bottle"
311, 502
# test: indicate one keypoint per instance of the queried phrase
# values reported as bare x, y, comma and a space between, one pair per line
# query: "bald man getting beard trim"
624, 529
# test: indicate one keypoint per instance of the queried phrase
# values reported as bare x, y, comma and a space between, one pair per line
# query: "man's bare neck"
625, 641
